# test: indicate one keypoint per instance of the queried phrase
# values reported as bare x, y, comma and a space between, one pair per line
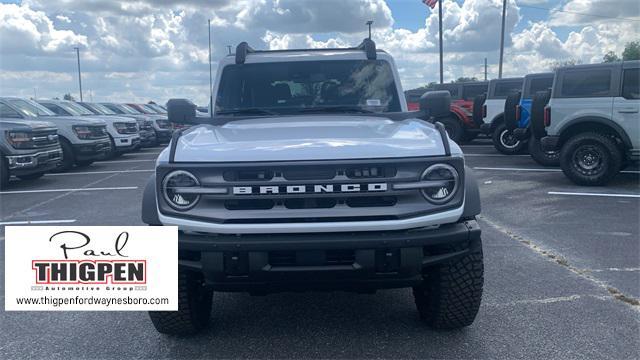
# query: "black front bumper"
163, 136
359, 261
550, 143
92, 151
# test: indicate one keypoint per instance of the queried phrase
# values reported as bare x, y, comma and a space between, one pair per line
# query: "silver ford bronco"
309, 173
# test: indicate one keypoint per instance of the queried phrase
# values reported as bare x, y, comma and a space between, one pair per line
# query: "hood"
73, 120
113, 118
310, 137
29, 125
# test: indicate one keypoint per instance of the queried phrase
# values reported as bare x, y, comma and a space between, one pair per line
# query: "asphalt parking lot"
562, 279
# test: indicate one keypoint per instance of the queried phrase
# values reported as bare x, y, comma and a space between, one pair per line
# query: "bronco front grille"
308, 192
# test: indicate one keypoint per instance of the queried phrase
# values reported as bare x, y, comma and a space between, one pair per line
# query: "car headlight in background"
121, 128
175, 190
20, 139
83, 132
449, 178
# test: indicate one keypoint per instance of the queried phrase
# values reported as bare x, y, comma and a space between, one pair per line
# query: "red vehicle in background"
460, 125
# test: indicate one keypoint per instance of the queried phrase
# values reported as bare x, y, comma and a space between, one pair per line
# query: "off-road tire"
510, 110
84, 163
505, 142
590, 159
544, 158
454, 128
450, 294
68, 157
478, 103
540, 100
4, 172
31, 176
194, 308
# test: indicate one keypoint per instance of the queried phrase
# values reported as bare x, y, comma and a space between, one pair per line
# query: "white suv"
493, 111
593, 119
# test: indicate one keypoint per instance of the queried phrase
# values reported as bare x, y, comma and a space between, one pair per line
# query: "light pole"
440, 36
229, 49
369, 23
79, 74
210, 71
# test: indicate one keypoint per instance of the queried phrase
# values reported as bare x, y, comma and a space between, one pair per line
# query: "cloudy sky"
157, 49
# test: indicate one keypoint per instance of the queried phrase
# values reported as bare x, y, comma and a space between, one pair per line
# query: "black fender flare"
149, 203
599, 120
472, 195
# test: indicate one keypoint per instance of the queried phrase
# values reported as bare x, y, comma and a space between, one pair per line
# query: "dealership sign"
91, 268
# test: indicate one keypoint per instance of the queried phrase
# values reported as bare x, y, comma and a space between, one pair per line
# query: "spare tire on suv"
477, 114
544, 158
510, 108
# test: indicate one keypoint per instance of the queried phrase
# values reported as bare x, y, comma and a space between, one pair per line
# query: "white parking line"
124, 161
495, 155
538, 169
28, 222
101, 172
68, 190
593, 194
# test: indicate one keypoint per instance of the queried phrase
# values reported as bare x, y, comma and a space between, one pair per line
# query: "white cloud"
572, 11
155, 50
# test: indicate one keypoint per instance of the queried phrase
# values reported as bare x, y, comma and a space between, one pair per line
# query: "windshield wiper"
247, 111
337, 109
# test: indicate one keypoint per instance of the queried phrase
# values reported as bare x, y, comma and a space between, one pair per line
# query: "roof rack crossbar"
367, 45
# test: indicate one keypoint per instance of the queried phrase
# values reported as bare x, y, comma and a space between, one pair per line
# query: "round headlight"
448, 176
173, 183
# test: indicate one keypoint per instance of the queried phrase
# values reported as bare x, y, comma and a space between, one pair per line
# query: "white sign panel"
75, 268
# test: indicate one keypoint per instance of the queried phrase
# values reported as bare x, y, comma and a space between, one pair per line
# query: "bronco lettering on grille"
309, 189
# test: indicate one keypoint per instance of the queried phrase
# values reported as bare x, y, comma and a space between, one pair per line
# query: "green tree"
463, 79
610, 57
562, 63
631, 51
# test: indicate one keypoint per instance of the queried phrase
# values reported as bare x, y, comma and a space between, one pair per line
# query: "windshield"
288, 87
30, 108
120, 109
102, 109
131, 109
149, 109
157, 108
76, 108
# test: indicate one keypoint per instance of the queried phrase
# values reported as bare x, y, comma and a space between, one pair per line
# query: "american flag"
430, 3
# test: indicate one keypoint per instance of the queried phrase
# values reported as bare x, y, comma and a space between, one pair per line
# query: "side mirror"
181, 111
435, 104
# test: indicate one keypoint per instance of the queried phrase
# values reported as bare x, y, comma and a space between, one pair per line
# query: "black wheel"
113, 153
544, 158
454, 128
194, 308
590, 159
84, 163
450, 294
4, 173
477, 113
505, 142
540, 100
68, 157
510, 110
31, 176
469, 136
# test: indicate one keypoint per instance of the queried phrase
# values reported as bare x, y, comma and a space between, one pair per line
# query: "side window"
540, 84
7, 112
471, 91
56, 109
631, 84
586, 83
504, 89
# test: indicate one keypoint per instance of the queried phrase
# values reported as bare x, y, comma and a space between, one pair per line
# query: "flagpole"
440, 34
504, 12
